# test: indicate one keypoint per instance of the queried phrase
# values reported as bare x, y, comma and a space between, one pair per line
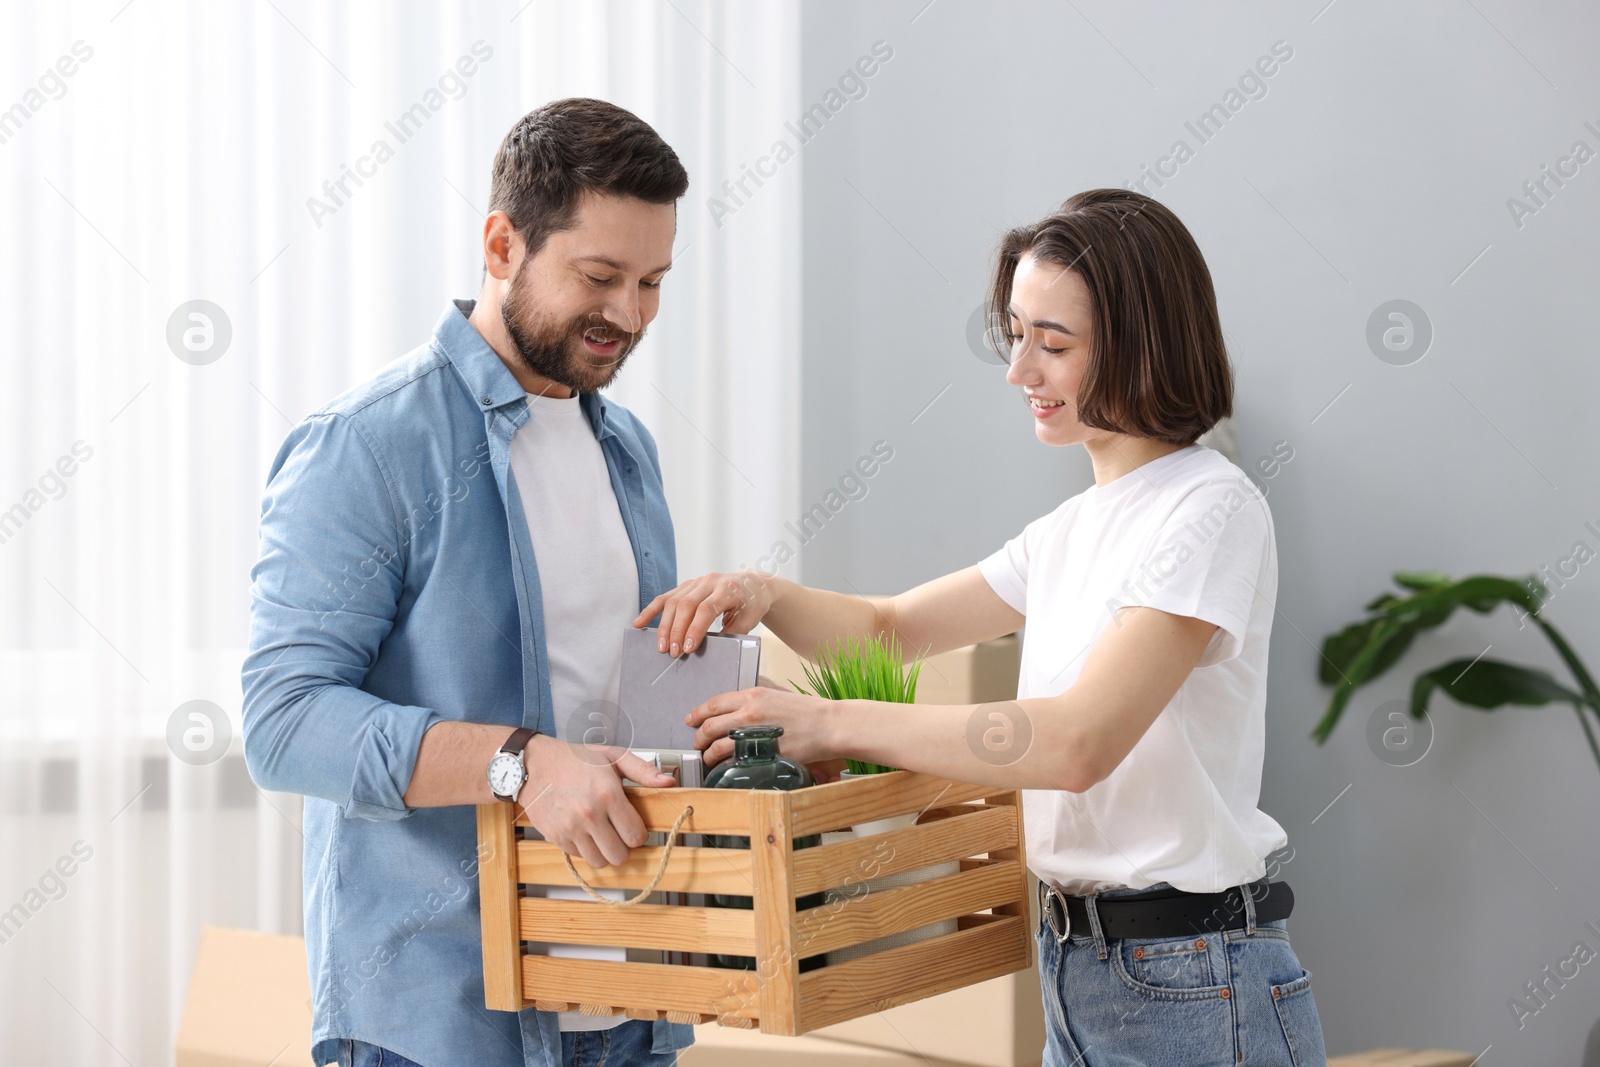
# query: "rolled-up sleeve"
324, 595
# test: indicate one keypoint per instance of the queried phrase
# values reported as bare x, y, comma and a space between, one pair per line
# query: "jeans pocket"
1297, 1014
1168, 969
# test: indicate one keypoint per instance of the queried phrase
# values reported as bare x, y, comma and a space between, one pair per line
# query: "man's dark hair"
1157, 363
567, 147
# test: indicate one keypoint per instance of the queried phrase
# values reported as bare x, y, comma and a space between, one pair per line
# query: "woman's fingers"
693, 612
696, 625
688, 611
728, 712
678, 609
651, 610
717, 705
669, 611
717, 752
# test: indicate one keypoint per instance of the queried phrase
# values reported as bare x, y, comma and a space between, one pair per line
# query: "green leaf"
1490, 684
1421, 579
1367, 649
1481, 593
1358, 671
1393, 637
1379, 602
1339, 650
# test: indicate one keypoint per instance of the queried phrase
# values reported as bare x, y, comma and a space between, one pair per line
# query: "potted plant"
1366, 649
855, 668
873, 669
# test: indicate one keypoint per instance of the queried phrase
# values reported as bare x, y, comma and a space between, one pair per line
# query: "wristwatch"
506, 770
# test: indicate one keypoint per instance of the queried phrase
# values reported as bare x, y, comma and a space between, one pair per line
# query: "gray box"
658, 690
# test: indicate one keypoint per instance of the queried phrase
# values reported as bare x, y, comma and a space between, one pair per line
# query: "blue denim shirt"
396, 588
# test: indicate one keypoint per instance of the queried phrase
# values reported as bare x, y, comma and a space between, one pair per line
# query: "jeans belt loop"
1091, 906
1248, 892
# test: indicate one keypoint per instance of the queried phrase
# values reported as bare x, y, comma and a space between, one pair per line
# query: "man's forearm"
453, 763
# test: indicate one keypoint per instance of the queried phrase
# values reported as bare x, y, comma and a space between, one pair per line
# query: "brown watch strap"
518, 740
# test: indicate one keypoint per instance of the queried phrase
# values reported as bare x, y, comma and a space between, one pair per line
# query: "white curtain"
153, 154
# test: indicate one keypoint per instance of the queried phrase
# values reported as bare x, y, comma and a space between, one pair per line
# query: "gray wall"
1377, 166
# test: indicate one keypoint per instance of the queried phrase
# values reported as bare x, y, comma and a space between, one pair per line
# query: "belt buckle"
1055, 912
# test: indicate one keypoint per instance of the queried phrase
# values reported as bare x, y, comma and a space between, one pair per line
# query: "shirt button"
488, 401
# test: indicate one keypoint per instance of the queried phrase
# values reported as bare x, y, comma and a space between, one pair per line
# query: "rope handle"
655, 879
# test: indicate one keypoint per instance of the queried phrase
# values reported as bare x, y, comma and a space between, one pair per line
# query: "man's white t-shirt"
589, 584
1189, 534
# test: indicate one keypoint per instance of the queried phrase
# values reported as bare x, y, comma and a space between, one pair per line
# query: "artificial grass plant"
856, 668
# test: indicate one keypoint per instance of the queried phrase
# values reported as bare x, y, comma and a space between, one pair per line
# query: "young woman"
1137, 733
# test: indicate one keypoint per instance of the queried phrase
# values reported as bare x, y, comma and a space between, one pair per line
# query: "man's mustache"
603, 332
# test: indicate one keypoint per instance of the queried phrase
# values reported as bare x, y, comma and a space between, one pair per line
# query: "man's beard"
555, 350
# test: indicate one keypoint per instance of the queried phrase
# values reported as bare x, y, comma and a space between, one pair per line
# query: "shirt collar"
486, 376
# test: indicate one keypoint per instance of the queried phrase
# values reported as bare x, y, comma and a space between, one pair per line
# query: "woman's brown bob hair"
1157, 364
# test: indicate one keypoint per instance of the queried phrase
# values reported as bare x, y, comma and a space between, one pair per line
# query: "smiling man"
449, 554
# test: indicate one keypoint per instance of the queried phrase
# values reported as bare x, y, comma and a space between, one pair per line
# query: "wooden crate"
979, 826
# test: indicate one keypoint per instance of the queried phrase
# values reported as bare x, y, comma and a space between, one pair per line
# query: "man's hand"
574, 798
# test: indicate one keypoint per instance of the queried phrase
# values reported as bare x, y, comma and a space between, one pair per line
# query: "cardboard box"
719, 1046
1399, 1057
998, 1023
249, 1002
971, 675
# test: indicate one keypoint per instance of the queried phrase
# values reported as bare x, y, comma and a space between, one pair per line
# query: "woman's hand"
807, 721
740, 598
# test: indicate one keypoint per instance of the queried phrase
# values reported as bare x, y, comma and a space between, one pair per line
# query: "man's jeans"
624, 1045
1230, 999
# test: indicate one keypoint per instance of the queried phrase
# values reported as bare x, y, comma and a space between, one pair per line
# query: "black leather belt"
1165, 912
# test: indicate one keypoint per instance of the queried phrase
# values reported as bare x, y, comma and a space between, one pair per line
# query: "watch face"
506, 774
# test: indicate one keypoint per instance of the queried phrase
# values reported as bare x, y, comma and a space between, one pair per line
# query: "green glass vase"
757, 764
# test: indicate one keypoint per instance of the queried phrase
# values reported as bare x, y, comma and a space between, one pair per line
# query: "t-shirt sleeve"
1207, 563
1006, 571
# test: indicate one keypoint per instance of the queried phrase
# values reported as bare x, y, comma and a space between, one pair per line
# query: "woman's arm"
1070, 741
949, 612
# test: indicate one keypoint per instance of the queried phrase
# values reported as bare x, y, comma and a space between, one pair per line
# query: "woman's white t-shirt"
1189, 534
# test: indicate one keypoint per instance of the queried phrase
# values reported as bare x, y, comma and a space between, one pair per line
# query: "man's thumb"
642, 771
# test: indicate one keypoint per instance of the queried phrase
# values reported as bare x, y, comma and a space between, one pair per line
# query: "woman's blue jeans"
1238, 998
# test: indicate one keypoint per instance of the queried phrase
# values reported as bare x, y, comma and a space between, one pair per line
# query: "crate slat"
701, 870
891, 911
773, 851
497, 899
648, 1015
842, 863
668, 988
675, 927
899, 975
1019, 853
716, 811
840, 805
